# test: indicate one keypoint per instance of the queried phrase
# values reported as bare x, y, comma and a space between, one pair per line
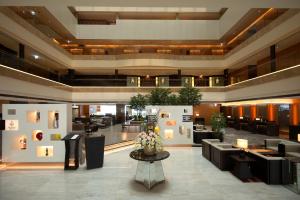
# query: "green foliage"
189, 96
217, 121
159, 96
138, 102
173, 99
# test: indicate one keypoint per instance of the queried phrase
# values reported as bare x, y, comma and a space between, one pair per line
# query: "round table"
149, 169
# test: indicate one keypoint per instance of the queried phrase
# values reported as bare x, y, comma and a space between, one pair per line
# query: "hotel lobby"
195, 99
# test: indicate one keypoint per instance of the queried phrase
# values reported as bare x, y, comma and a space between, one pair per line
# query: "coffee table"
149, 169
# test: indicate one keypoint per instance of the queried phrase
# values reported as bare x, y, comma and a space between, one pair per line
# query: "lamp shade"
242, 143
299, 137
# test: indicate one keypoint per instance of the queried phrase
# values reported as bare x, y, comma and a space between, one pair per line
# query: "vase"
148, 151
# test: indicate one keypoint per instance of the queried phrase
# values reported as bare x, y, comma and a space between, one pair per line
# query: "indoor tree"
159, 96
189, 96
138, 103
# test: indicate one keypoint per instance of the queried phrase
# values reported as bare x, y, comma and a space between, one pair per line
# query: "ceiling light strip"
248, 27
34, 75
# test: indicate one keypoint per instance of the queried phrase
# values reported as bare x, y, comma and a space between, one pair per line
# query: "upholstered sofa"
206, 147
272, 169
220, 155
273, 143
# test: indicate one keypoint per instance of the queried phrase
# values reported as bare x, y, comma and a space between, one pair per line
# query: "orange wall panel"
253, 112
294, 114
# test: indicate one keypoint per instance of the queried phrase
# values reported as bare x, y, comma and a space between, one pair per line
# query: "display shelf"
44, 151
37, 135
23, 143
33, 116
11, 125
53, 120
55, 137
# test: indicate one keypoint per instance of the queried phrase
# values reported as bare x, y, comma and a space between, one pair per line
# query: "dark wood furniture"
269, 166
199, 135
242, 166
94, 147
72, 151
293, 132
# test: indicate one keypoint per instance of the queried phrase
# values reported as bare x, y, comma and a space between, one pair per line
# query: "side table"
149, 170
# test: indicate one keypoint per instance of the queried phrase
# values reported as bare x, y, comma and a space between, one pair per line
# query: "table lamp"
243, 144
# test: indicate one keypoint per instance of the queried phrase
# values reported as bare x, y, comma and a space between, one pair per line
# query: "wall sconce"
197, 115
228, 116
23, 143
242, 143
298, 137
169, 134
241, 117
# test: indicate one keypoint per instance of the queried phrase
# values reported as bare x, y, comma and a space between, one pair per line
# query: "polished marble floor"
188, 176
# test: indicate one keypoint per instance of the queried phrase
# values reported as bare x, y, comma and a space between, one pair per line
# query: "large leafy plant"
189, 96
138, 102
217, 121
159, 96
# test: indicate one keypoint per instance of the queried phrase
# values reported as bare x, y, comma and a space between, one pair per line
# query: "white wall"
176, 113
10, 150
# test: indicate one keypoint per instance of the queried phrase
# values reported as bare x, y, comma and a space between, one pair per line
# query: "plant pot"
149, 151
218, 135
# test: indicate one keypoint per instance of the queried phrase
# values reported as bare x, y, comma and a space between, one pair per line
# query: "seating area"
270, 163
256, 126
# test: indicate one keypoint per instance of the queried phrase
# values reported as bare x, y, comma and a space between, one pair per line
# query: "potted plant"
218, 123
150, 142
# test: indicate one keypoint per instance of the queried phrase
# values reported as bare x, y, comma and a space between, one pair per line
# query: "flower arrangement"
149, 141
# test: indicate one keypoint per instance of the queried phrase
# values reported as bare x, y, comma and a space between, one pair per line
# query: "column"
273, 57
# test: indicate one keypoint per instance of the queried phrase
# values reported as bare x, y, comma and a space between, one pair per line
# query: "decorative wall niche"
11, 125
164, 115
187, 118
55, 137
23, 143
37, 135
169, 134
11, 111
33, 116
171, 123
53, 120
44, 151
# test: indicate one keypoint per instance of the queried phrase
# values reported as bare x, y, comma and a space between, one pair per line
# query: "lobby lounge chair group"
277, 162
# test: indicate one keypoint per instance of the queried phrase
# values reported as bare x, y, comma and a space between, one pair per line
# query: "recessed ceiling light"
32, 12
36, 56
